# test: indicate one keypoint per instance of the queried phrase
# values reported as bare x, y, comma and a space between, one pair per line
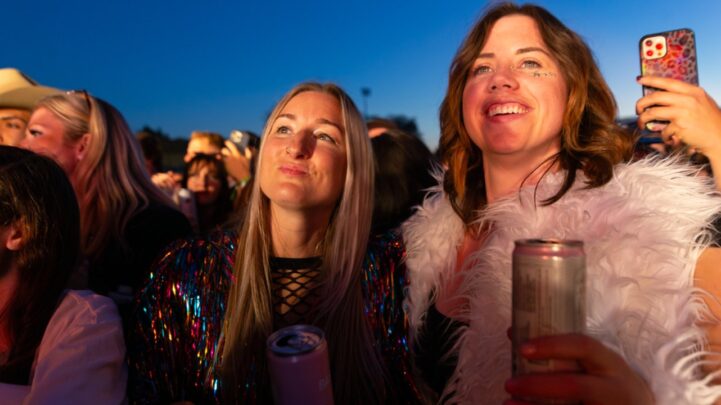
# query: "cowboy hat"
19, 91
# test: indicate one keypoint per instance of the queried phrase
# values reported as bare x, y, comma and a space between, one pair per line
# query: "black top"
435, 339
122, 268
295, 289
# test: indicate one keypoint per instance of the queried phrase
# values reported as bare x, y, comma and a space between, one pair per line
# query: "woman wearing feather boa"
532, 151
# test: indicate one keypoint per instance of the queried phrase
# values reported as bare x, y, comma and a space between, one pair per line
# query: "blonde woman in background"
125, 220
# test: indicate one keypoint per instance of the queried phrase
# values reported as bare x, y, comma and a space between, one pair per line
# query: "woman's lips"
505, 111
293, 170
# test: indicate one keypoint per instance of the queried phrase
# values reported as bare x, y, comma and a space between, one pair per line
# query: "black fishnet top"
295, 289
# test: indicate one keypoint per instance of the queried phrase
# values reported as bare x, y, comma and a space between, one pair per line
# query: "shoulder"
82, 310
433, 225
82, 354
432, 236
386, 244
665, 188
659, 179
208, 258
385, 256
85, 306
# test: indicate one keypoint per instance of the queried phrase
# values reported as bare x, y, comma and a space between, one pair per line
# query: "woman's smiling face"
515, 95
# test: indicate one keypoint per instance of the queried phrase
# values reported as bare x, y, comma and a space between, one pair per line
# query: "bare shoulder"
708, 271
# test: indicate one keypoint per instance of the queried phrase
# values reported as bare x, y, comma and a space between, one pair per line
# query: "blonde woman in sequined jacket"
301, 256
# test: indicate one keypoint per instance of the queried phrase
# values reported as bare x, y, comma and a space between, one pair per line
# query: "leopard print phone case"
669, 54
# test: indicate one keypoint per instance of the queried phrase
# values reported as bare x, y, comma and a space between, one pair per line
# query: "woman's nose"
300, 145
502, 79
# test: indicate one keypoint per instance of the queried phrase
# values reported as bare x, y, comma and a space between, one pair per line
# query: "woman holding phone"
532, 150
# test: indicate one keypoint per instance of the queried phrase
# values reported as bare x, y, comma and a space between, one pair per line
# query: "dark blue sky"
219, 65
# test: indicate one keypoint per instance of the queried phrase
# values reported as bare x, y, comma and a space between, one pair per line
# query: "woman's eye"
282, 130
325, 137
482, 69
530, 65
34, 132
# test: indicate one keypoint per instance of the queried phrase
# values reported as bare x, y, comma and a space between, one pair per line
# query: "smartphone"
668, 54
244, 139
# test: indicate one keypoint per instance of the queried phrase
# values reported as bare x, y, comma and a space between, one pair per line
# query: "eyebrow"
12, 117
319, 120
518, 52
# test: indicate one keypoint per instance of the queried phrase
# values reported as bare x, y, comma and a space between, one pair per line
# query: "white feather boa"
643, 232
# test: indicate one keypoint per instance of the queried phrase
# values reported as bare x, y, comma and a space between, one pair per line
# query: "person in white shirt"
56, 346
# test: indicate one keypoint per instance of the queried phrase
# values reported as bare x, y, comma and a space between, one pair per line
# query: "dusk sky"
219, 65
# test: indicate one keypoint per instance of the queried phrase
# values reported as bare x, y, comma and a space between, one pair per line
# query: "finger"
578, 387
658, 113
671, 134
667, 84
232, 148
591, 354
646, 122
248, 153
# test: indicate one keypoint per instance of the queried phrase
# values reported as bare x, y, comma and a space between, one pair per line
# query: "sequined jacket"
176, 341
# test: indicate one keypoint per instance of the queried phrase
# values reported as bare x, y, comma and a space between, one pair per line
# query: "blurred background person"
18, 96
125, 220
205, 142
237, 159
205, 176
403, 166
152, 152
377, 126
55, 344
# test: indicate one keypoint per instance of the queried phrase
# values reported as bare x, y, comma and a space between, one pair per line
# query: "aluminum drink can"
549, 297
299, 367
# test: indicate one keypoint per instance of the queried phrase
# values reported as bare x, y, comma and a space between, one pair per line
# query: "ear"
81, 147
13, 236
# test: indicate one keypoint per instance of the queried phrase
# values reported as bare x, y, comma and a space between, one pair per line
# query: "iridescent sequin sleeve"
383, 286
176, 335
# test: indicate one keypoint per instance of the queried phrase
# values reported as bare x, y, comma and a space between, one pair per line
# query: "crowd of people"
122, 282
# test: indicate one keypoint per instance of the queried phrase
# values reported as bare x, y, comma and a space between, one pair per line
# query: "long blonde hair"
357, 370
111, 182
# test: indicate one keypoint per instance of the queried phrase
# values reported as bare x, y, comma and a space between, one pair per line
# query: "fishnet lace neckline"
295, 289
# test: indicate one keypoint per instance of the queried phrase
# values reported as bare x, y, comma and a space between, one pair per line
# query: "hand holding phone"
244, 140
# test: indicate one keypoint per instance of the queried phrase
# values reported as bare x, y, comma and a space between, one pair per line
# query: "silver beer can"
299, 366
549, 297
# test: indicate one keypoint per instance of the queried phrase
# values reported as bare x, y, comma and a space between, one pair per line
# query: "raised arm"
695, 118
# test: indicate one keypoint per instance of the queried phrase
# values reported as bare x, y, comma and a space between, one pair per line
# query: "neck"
297, 234
505, 176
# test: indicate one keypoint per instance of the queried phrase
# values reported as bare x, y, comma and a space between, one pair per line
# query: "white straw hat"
19, 91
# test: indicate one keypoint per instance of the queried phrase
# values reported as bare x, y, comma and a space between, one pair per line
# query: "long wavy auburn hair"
590, 139
358, 373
